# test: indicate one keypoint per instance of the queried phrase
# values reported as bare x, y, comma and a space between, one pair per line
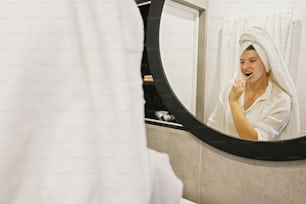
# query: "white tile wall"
217, 9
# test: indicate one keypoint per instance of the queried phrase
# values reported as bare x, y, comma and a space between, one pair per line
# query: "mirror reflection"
225, 61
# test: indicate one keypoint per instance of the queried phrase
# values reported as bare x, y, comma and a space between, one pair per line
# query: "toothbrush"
245, 76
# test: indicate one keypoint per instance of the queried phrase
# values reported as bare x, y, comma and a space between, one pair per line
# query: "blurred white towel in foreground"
184, 201
71, 108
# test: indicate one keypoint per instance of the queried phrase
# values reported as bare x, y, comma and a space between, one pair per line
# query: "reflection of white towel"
278, 24
68, 70
280, 75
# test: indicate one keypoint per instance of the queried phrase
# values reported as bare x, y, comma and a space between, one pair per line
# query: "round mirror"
292, 149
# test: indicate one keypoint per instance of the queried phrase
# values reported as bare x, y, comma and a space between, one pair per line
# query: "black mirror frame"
287, 150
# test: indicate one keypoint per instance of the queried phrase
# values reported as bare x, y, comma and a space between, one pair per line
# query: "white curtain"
278, 24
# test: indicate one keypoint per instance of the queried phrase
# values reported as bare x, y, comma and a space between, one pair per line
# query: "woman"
261, 104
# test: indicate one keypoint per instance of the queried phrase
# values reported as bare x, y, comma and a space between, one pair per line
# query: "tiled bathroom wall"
211, 176
218, 9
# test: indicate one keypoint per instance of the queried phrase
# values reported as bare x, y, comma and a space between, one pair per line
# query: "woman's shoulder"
277, 101
279, 92
278, 95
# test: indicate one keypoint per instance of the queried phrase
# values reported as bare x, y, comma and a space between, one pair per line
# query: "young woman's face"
251, 66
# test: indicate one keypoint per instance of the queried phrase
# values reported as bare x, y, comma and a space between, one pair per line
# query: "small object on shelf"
148, 78
164, 115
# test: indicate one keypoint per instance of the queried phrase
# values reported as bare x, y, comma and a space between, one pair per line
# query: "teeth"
248, 74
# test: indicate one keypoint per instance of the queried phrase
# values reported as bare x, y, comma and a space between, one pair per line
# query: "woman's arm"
243, 127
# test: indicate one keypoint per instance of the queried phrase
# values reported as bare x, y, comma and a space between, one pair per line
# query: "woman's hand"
237, 90
243, 127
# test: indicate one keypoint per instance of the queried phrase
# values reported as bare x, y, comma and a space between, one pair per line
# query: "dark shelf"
146, 83
153, 100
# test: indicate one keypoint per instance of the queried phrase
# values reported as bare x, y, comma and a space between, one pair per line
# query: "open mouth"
248, 74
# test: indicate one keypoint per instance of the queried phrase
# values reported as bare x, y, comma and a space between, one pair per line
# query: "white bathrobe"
71, 106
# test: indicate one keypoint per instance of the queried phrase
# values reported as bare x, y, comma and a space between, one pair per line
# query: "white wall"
178, 47
218, 9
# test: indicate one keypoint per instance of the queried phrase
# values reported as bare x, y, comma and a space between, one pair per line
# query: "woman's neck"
258, 86
253, 91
